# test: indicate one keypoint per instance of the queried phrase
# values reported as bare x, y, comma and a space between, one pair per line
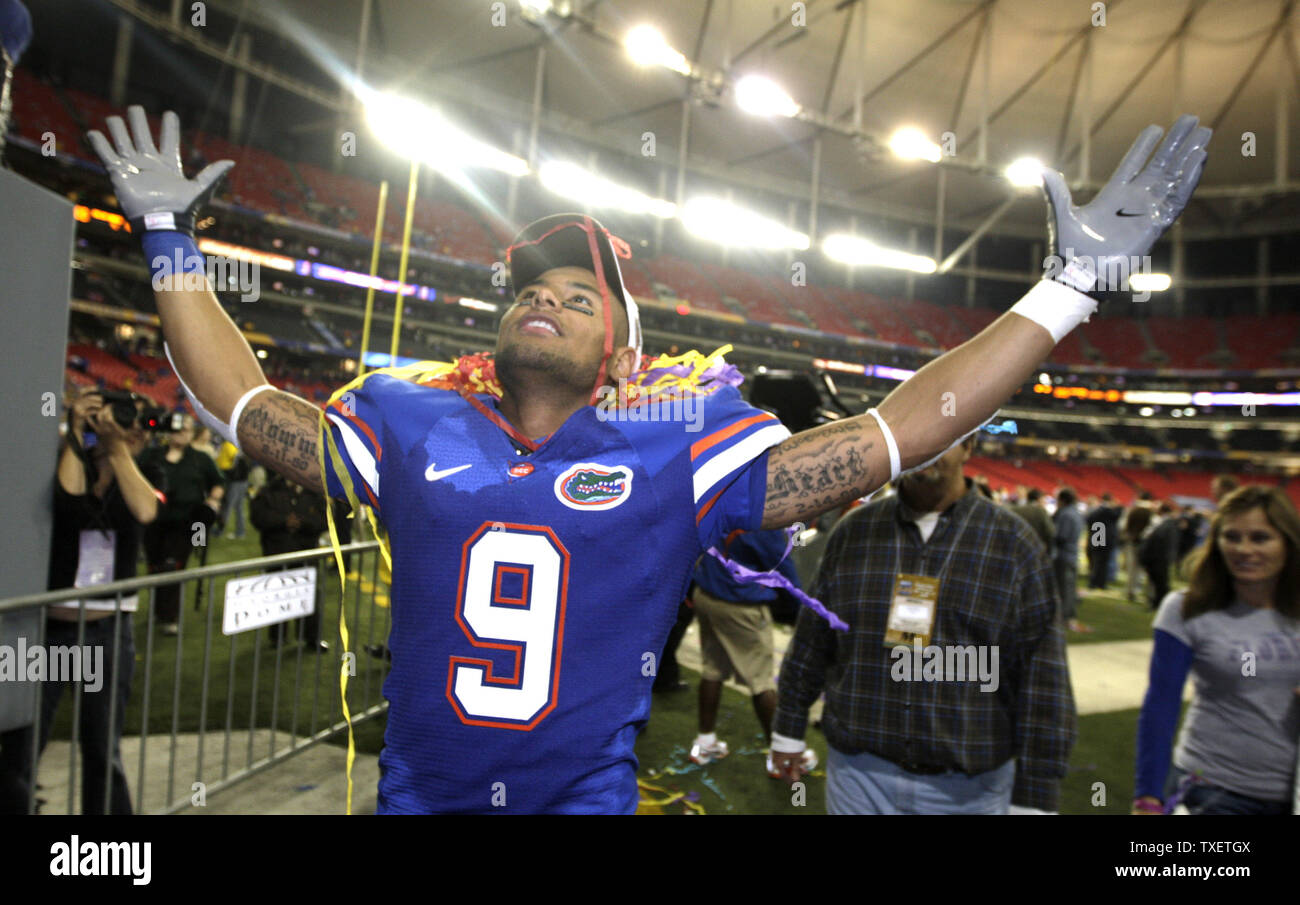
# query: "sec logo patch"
590, 485
522, 470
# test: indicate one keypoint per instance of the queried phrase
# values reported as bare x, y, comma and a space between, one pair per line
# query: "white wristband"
895, 460
782, 744
1055, 307
209, 420
239, 410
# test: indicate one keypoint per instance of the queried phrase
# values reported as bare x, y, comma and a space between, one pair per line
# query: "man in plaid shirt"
983, 720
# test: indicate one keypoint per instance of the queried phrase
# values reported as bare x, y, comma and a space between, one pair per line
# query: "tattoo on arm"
279, 430
817, 470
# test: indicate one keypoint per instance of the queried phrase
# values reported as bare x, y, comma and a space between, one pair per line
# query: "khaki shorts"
735, 639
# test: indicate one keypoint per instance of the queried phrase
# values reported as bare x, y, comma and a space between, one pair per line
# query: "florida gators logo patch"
590, 485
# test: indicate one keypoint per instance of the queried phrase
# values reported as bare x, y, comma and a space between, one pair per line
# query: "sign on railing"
261, 600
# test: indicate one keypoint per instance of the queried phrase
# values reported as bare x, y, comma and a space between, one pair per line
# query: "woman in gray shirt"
1236, 629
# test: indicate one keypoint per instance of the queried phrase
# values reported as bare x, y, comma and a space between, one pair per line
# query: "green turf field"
1112, 618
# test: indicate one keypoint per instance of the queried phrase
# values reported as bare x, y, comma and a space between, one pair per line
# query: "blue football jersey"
532, 592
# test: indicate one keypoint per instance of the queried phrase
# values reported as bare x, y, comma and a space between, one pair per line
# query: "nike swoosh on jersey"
432, 473
1123, 213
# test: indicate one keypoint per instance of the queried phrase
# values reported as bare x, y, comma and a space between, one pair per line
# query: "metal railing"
177, 716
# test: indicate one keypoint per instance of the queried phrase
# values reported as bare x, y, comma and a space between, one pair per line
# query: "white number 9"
525, 616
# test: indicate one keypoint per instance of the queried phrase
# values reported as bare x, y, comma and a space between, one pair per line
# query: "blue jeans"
866, 784
1067, 586
1203, 798
233, 503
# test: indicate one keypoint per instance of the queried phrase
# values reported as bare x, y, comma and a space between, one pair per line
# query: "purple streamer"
719, 373
774, 579
1180, 793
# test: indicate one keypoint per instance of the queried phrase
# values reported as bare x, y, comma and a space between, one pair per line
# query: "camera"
128, 413
123, 407
160, 421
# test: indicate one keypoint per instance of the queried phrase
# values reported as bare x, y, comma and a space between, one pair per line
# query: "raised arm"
826, 467
214, 362
820, 469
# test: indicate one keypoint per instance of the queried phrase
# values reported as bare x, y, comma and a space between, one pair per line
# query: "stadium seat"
687, 282
1187, 342
37, 110
760, 301
1261, 342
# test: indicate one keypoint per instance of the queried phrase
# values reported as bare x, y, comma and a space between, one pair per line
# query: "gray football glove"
1092, 248
148, 181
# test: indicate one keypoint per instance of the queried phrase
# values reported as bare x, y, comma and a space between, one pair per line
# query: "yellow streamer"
673, 797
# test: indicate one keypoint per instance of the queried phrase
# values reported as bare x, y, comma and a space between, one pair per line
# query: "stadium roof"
940, 65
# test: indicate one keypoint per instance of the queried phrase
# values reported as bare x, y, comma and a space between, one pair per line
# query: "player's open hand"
150, 185
1142, 199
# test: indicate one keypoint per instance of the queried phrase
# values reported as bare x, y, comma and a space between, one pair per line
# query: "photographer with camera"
193, 489
101, 498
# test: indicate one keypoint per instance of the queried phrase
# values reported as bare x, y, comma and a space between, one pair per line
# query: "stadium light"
1149, 282
572, 181
911, 143
535, 7
723, 222
647, 46
420, 133
1156, 397
858, 252
760, 96
477, 304
1025, 172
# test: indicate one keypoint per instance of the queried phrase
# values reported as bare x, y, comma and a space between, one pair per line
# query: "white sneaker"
702, 754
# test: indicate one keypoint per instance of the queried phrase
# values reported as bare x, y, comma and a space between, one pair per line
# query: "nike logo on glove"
1123, 213
432, 473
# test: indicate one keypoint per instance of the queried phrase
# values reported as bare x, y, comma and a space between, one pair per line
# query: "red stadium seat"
760, 302
1260, 342
1187, 342
1120, 341
686, 282
38, 109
